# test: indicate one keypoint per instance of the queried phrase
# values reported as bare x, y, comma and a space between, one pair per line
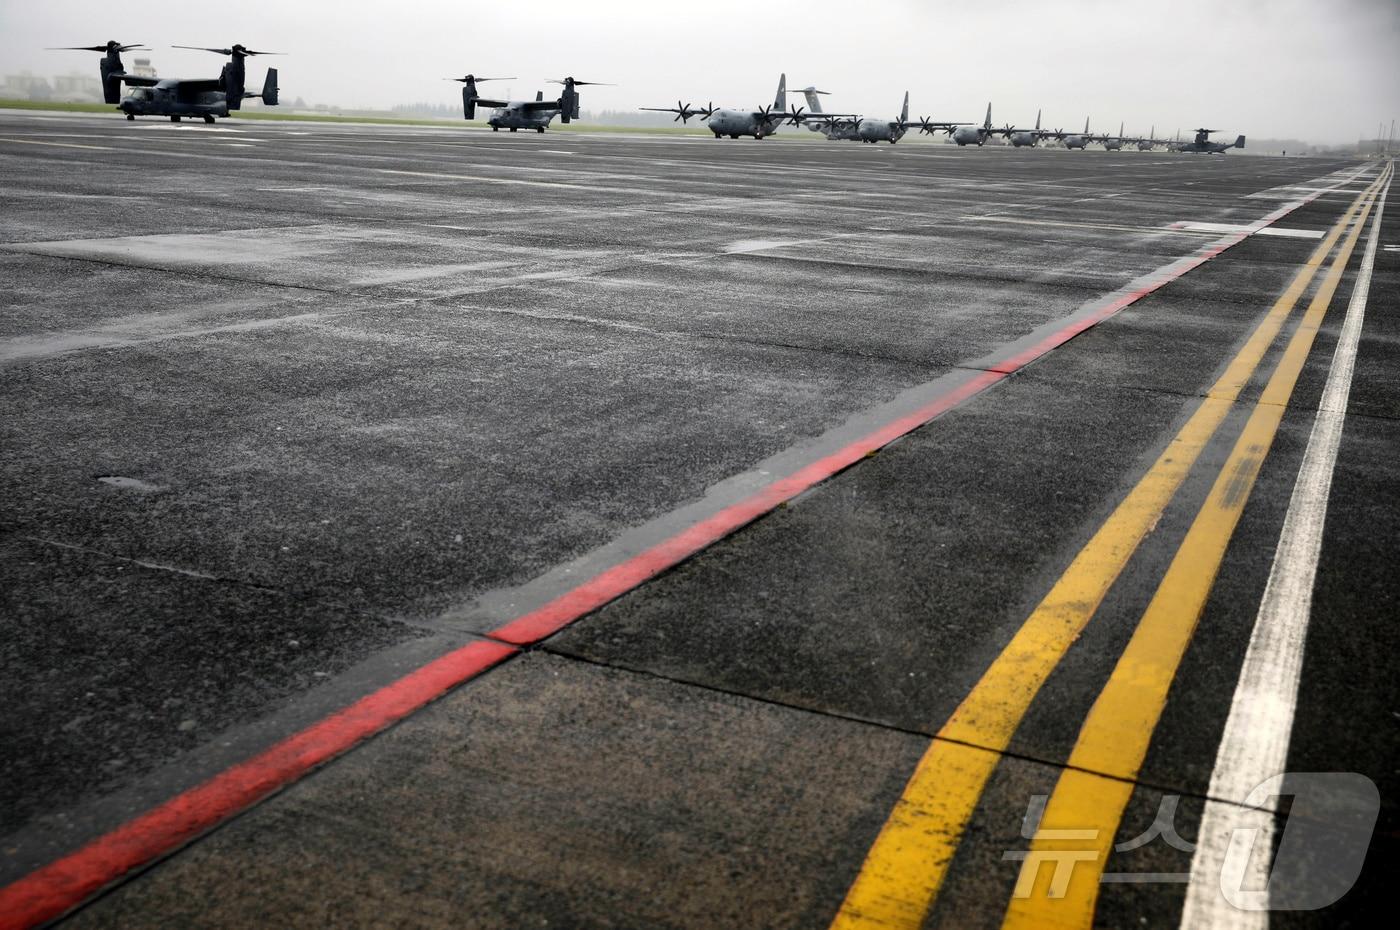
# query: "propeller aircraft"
522, 114
856, 128
975, 135
177, 98
723, 121
1202, 145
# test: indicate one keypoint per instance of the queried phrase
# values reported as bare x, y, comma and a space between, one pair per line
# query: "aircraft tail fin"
814, 104
269, 91
1037, 121
539, 96
1086, 125
780, 98
987, 123
1239, 142
904, 113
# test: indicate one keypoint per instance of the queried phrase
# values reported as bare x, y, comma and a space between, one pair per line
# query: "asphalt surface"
291, 409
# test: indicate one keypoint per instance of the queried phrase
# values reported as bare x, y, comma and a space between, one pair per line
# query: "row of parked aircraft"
856, 127
211, 98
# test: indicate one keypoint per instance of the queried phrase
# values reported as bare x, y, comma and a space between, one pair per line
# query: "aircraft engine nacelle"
111, 80
232, 78
469, 97
568, 104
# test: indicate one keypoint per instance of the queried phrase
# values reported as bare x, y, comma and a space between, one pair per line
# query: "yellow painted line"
906, 865
58, 145
1082, 816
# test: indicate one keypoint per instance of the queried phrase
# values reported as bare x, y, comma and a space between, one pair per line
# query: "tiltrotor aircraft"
1202, 145
176, 98
522, 114
722, 121
856, 128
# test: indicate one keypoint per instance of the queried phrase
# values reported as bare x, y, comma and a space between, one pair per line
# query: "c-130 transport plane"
180, 97
723, 121
522, 114
854, 128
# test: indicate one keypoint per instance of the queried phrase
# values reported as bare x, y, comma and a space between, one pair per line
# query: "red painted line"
53, 890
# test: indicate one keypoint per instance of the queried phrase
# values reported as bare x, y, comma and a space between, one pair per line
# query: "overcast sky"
1321, 70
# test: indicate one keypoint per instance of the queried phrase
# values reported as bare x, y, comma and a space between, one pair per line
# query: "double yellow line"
905, 868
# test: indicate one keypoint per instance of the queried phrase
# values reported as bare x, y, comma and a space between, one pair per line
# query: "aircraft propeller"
569, 80
112, 46
238, 51
795, 115
470, 78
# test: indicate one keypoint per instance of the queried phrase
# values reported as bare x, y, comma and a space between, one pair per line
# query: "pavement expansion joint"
1031, 758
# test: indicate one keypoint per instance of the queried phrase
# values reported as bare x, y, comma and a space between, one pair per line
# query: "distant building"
76, 87
26, 86
141, 67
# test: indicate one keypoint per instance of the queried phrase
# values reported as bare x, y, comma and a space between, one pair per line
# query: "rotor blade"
200, 48
582, 83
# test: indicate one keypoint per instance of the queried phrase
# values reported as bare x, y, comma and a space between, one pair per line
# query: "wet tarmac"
292, 410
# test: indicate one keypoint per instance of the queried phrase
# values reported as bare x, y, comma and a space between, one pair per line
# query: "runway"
444, 528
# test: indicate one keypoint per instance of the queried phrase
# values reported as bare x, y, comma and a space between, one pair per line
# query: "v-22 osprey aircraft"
176, 98
522, 114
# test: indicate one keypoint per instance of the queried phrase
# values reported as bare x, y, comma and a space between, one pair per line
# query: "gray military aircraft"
522, 114
722, 121
1076, 140
209, 98
975, 135
1149, 143
866, 128
838, 127
1023, 137
1202, 145
1112, 143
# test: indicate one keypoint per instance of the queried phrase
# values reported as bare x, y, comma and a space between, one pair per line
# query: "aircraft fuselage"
164, 99
516, 117
970, 135
735, 123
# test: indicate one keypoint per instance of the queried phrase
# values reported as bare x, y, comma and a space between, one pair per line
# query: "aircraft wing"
483, 102
831, 119
534, 106
133, 80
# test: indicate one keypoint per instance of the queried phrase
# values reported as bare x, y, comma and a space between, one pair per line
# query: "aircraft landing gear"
719, 135
131, 117
512, 129
539, 129
174, 119
209, 119
495, 128
733, 135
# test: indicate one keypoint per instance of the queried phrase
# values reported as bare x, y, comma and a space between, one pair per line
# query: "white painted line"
1254, 747
1283, 231
1287, 233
